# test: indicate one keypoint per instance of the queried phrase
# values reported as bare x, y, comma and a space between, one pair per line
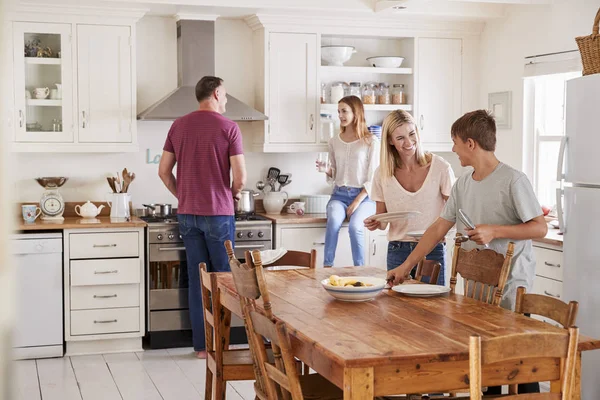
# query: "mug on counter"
297, 207
30, 212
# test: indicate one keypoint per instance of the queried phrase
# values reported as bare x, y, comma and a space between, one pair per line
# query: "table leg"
358, 383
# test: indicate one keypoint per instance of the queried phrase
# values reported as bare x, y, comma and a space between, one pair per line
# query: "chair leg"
220, 387
306, 369
208, 385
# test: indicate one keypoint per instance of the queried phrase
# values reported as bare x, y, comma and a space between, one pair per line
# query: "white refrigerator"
579, 216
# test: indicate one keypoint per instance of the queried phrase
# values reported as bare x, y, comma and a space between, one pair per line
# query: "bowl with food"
353, 288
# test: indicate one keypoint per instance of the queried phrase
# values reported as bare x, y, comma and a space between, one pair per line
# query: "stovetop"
172, 219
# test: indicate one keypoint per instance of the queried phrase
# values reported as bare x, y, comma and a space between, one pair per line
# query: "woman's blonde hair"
390, 159
359, 123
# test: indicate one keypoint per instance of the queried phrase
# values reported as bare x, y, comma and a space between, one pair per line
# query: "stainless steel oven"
168, 319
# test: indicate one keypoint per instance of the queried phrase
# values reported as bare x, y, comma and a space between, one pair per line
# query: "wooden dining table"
395, 344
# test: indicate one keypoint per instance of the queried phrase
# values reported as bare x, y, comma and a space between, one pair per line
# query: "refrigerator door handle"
561, 159
559, 211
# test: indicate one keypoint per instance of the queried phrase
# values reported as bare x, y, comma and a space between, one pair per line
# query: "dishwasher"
38, 328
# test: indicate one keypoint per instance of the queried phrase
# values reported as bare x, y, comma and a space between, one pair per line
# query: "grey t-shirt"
504, 197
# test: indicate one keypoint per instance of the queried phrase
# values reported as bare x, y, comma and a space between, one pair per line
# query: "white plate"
393, 216
421, 290
270, 256
416, 234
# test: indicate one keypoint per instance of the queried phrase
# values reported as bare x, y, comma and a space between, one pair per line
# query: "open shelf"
373, 107
44, 102
42, 60
367, 70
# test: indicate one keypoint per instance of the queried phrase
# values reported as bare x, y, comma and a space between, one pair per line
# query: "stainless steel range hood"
195, 59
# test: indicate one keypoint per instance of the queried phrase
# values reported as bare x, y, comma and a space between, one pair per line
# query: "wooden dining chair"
519, 347
293, 258
282, 381
428, 269
546, 306
222, 363
484, 271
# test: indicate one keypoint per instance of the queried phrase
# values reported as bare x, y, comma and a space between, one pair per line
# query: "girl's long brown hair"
359, 123
390, 159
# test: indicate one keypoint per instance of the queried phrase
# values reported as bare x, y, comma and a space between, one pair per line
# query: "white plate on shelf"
421, 290
393, 216
416, 234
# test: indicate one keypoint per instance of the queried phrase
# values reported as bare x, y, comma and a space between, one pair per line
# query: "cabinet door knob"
83, 119
552, 295
20, 118
312, 121
374, 247
421, 122
551, 264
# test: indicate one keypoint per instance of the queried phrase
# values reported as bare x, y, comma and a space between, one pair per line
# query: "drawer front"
114, 320
105, 296
105, 272
548, 287
103, 245
549, 263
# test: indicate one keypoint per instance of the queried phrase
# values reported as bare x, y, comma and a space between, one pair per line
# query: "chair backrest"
523, 346
293, 258
485, 272
281, 375
546, 306
429, 269
213, 324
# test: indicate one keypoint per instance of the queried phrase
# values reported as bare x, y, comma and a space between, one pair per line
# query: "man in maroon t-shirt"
206, 146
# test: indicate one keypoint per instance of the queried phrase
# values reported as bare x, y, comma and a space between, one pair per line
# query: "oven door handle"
250, 246
170, 248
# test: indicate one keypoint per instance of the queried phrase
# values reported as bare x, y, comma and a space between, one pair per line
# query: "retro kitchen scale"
52, 203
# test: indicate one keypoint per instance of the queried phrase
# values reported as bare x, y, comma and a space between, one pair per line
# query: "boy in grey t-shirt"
498, 199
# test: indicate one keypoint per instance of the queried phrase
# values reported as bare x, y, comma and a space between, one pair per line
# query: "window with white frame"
547, 125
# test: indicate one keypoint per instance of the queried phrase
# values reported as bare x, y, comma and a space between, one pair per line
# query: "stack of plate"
393, 216
375, 130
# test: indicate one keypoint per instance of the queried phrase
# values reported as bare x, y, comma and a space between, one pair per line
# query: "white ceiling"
445, 9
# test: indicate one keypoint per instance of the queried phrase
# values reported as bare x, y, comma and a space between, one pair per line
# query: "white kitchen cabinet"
90, 102
104, 279
548, 274
105, 84
439, 90
306, 237
378, 244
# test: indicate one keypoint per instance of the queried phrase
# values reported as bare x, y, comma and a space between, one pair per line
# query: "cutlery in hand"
464, 218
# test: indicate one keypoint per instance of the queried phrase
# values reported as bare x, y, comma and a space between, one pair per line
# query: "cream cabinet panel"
43, 82
306, 239
111, 320
549, 263
547, 287
105, 296
104, 245
439, 88
104, 81
292, 82
108, 271
378, 245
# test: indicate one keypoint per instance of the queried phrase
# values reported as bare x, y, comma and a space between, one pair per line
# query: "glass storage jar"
398, 96
323, 93
383, 94
338, 91
327, 127
368, 93
354, 89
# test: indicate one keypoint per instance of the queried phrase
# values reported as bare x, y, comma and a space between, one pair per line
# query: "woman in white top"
354, 157
409, 179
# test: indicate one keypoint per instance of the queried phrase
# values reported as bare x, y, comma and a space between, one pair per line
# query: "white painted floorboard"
26, 383
57, 379
173, 374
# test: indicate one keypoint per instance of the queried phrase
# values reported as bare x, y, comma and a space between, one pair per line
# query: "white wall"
528, 30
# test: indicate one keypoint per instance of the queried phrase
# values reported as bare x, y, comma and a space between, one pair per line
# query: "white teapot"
88, 210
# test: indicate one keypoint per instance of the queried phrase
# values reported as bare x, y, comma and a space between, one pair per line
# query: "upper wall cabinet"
439, 90
74, 87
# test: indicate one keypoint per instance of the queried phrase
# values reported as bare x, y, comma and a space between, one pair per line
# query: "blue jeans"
398, 253
203, 237
336, 215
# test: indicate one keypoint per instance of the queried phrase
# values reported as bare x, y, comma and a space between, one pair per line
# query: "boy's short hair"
478, 125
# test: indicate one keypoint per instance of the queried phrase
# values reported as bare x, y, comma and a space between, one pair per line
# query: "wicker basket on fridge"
589, 47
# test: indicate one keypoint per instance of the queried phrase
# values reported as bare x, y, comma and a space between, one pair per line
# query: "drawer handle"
318, 243
170, 248
106, 245
249, 246
114, 271
553, 295
108, 321
551, 264
104, 297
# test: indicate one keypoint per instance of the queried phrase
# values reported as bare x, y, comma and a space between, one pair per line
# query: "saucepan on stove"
245, 205
158, 210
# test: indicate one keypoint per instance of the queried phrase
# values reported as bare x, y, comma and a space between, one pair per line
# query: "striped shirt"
202, 142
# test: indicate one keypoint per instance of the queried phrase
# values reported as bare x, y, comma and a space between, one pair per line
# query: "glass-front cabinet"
43, 79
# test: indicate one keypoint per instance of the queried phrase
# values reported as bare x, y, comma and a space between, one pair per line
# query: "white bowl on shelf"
385, 61
336, 55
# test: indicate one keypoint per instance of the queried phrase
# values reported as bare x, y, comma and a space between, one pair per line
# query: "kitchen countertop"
552, 237
78, 223
290, 219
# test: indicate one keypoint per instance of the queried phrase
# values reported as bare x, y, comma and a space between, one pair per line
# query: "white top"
353, 164
428, 199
